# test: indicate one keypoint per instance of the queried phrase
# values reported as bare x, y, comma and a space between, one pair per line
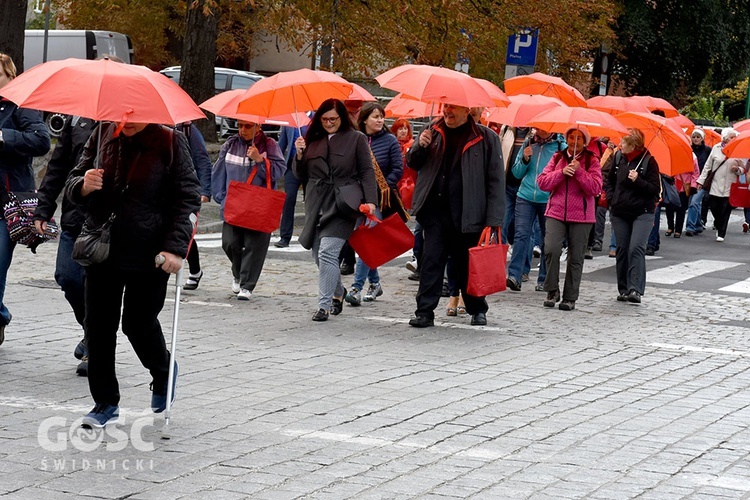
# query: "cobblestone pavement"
610, 401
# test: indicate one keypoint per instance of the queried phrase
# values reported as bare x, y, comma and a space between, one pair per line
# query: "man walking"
460, 190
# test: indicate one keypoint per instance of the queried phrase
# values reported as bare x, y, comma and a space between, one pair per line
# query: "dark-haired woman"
387, 153
332, 154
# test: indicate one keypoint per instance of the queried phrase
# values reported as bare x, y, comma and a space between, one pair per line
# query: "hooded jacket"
571, 198
482, 174
528, 172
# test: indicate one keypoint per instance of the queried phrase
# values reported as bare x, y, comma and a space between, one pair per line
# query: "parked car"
226, 79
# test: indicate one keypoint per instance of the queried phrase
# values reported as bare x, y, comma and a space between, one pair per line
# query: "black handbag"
92, 245
349, 197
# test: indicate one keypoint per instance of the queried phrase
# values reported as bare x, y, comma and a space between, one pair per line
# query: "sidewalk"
609, 401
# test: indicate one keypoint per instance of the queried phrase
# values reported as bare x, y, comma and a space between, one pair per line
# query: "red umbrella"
404, 106
656, 104
682, 121
739, 147
225, 104
102, 90
561, 119
359, 93
498, 96
667, 143
522, 109
615, 104
541, 84
434, 84
741, 126
293, 91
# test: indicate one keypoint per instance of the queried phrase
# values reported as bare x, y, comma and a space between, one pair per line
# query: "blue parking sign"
522, 48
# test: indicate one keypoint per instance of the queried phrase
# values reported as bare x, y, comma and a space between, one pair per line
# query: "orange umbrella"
741, 126
541, 84
293, 91
435, 84
656, 104
359, 93
739, 147
498, 96
682, 121
225, 104
102, 90
561, 119
404, 106
615, 104
667, 143
522, 109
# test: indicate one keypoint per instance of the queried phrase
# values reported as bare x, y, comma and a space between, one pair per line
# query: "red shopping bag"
254, 207
406, 191
382, 242
487, 266
739, 194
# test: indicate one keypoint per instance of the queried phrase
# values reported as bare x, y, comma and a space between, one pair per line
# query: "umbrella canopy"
682, 121
561, 119
404, 106
359, 93
102, 90
741, 126
615, 104
541, 84
739, 147
435, 84
225, 104
667, 143
292, 92
656, 104
498, 96
522, 109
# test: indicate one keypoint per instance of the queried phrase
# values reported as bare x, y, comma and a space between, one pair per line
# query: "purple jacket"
571, 198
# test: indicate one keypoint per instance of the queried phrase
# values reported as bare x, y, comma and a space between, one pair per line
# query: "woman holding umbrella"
572, 177
332, 158
633, 187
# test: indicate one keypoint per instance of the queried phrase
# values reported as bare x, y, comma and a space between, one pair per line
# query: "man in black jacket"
460, 190
68, 273
148, 182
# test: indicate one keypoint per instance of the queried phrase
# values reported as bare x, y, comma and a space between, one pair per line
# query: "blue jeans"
694, 224
70, 275
526, 213
361, 271
508, 233
6, 256
653, 238
291, 186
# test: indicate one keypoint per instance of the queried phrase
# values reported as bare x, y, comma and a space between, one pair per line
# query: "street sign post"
522, 48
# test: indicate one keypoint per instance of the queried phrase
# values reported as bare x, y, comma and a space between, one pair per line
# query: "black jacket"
483, 176
24, 136
629, 199
65, 157
153, 213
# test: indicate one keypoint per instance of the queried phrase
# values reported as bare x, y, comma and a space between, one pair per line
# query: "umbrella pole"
170, 378
647, 146
294, 100
98, 145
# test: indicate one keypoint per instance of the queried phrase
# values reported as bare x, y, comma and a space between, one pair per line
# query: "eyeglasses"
329, 120
246, 125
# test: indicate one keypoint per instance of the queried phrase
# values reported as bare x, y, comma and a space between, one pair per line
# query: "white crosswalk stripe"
679, 273
739, 287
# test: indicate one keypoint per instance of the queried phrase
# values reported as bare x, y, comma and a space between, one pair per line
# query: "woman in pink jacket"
573, 178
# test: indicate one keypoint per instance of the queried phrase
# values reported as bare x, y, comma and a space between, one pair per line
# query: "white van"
81, 44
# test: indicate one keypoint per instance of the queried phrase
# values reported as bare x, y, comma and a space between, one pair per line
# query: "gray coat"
482, 173
327, 163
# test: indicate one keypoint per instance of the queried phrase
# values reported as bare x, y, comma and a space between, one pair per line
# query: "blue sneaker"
102, 414
159, 401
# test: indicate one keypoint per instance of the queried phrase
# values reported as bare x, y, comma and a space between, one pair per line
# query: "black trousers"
246, 250
140, 297
443, 239
722, 210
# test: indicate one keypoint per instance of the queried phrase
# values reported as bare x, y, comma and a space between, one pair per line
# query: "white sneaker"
244, 294
412, 265
719, 239
235, 286
537, 251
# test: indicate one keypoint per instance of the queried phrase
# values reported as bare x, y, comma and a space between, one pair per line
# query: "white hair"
728, 133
